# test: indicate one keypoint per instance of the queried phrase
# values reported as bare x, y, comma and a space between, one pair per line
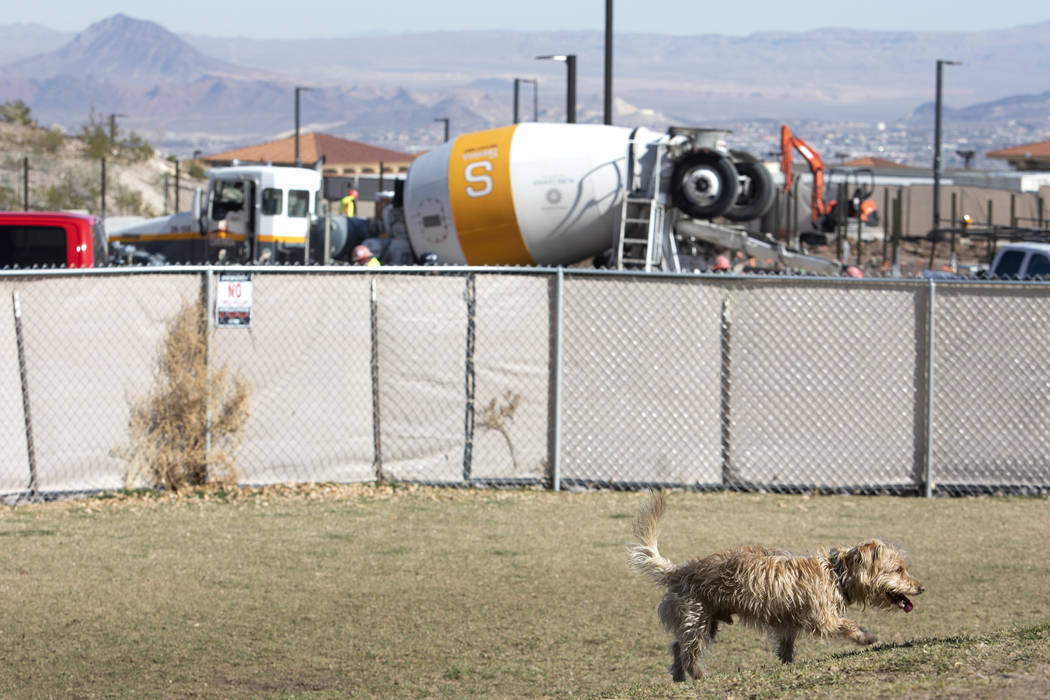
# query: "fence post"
955, 227
468, 427
23, 377
992, 234
930, 340
885, 222
25, 183
898, 225
559, 310
377, 447
725, 405
209, 328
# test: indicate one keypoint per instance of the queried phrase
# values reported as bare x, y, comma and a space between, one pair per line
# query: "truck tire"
756, 189
704, 184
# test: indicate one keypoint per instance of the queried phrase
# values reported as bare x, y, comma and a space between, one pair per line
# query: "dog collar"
840, 574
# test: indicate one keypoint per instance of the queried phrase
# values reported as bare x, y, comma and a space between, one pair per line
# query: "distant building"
1027, 156
341, 156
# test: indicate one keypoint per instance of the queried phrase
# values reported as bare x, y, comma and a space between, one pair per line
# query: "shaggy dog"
772, 589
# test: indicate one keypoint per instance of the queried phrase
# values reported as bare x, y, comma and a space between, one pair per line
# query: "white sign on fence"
233, 300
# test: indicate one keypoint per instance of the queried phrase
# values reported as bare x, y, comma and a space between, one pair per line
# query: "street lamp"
102, 161
937, 149
570, 64
967, 156
444, 119
298, 161
535, 98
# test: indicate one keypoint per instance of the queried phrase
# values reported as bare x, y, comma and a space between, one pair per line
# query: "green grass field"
411, 592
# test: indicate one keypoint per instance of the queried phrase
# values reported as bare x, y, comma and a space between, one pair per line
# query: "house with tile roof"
1027, 156
874, 163
341, 156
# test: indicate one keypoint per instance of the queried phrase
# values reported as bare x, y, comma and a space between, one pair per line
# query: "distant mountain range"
193, 92
1033, 108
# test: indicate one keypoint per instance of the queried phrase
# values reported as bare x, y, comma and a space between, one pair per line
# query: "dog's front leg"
784, 644
849, 629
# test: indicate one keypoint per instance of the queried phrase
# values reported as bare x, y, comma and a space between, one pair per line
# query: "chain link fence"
564, 379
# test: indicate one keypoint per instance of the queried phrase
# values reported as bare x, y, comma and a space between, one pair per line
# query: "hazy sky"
326, 18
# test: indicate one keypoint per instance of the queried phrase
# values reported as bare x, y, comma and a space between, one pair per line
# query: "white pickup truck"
1022, 261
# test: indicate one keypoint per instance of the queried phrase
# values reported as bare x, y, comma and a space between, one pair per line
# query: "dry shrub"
170, 425
498, 416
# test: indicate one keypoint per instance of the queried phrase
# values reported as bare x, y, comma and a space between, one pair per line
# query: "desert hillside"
64, 171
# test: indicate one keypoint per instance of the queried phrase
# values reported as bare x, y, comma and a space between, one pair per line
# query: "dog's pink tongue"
905, 605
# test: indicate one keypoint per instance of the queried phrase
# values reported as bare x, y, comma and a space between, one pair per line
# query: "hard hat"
352, 192
721, 263
361, 253
428, 259
854, 271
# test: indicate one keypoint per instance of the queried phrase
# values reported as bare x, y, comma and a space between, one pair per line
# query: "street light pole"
298, 161
535, 99
608, 111
444, 119
937, 149
517, 87
570, 65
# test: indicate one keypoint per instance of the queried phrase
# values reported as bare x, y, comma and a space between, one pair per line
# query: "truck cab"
1022, 261
51, 239
260, 213
249, 213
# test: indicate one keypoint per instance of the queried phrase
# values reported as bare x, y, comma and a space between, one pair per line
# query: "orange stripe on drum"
482, 205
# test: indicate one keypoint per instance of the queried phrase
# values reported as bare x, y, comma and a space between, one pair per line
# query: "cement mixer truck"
555, 194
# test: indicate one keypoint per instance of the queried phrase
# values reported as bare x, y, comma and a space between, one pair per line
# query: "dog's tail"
644, 557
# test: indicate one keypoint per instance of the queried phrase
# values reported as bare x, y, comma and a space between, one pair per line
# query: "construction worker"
349, 203
362, 255
721, 264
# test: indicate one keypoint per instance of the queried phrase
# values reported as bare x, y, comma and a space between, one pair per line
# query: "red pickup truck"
51, 239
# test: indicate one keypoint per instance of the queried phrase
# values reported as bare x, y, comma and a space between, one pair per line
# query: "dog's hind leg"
677, 668
695, 639
784, 643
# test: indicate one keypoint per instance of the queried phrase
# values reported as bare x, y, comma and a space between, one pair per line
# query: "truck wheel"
756, 190
704, 184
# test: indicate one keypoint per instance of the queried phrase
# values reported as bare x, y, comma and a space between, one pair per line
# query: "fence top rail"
446, 270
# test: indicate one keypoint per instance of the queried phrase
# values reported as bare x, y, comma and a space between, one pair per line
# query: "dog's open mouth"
901, 602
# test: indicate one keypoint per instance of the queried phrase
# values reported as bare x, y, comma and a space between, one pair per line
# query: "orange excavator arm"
790, 143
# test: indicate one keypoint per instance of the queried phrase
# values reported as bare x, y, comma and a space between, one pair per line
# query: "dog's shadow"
885, 647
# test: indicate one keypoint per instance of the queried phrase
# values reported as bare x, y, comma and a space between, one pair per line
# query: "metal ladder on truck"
645, 240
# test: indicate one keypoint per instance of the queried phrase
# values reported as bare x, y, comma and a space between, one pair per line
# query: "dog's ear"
864, 557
